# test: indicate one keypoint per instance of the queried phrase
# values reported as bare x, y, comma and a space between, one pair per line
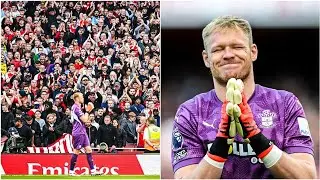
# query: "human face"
110, 104
29, 122
127, 106
132, 92
100, 112
115, 123
38, 115
91, 117
18, 123
45, 95
5, 108
229, 55
132, 117
68, 111
107, 120
154, 99
50, 119
80, 99
143, 119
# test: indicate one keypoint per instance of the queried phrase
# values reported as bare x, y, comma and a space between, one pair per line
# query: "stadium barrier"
64, 145
58, 164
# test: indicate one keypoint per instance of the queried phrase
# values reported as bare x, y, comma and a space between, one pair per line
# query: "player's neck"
249, 87
78, 103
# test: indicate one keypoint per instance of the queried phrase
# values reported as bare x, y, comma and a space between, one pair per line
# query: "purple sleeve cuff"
299, 149
186, 162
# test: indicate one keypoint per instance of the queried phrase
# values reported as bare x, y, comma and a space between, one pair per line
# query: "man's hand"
250, 127
89, 107
223, 131
218, 152
261, 145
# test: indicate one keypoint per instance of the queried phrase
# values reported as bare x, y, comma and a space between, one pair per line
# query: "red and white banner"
61, 145
26, 164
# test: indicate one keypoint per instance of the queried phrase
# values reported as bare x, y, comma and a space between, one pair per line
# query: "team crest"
267, 118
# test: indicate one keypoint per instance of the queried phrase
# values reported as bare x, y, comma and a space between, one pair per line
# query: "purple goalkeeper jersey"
78, 126
277, 113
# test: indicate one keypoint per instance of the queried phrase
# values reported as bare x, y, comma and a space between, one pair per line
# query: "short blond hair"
75, 95
226, 22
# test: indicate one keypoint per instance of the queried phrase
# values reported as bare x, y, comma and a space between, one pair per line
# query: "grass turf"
80, 177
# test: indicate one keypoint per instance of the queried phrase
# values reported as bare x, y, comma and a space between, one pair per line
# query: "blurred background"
287, 36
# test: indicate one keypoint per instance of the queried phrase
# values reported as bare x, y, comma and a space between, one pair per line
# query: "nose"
228, 53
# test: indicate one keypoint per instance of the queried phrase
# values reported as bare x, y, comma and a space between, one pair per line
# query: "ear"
205, 58
254, 52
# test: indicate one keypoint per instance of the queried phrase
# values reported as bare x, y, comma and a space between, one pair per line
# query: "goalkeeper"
278, 142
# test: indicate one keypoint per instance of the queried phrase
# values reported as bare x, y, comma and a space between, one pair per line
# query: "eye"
216, 50
238, 47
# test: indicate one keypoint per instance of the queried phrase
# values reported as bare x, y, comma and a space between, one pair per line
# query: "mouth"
230, 65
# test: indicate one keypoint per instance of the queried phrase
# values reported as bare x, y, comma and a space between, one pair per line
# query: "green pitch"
80, 177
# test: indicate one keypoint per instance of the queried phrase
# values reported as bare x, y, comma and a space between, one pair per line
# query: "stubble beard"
222, 79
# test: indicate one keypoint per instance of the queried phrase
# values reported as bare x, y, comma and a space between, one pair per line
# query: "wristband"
212, 162
272, 157
219, 148
259, 144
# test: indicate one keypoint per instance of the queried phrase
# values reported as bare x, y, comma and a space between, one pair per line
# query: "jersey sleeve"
187, 148
297, 135
78, 112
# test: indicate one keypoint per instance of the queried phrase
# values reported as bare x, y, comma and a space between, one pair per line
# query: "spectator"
121, 135
92, 120
107, 50
7, 117
50, 131
140, 129
65, 125
92, 134
137, 107
156, 117
151, 137
94, 98
37, 118
24, 131
99, 116
36, 131
130, 128
107, 133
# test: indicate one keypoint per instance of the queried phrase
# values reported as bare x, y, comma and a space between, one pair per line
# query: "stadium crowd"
109, 51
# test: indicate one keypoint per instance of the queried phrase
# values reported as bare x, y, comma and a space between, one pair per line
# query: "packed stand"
109, 51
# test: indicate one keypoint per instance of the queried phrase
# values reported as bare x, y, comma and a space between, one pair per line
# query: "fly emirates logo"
36, 168
243, 150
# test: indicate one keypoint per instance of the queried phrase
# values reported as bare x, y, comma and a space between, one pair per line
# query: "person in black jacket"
91, 97
48, 110
92, 134
66, 126
7, 118
50, 131
24, 131
121, 135
36, 131
99, 116
107, 133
